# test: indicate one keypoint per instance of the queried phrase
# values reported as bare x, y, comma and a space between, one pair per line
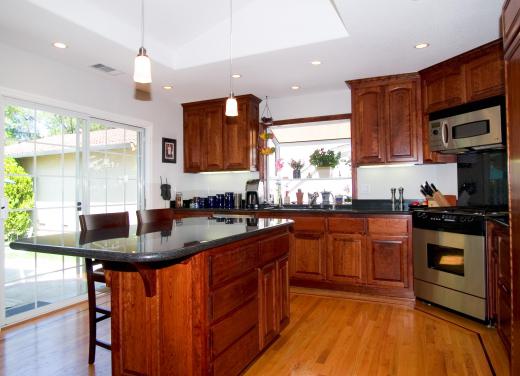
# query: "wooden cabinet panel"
233, 327
387, 260
367, 117
389, 226
268, 292
274, 248
193, 155
314, 224
347, 225
443, 87
235, 140
307, 259
213, 134
485, 75
233, 295
402, 121
346, 258
238, 356
510, 22
283, 292
232, 263
503, 319
503, 259
214, 142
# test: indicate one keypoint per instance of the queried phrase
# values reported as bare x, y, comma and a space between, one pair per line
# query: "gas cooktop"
469, 210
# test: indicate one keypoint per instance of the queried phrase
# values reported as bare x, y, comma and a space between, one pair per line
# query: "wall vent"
106, 69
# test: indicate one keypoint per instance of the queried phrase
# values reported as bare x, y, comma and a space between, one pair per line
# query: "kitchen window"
297, 142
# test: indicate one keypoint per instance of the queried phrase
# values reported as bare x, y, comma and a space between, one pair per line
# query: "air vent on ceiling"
106, 69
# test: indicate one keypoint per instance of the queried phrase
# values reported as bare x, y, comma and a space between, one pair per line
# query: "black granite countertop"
163, 243
356, 207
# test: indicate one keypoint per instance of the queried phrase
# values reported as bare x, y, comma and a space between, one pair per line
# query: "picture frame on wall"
169, 150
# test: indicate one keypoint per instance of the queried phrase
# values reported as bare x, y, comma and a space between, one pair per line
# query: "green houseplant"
324, 161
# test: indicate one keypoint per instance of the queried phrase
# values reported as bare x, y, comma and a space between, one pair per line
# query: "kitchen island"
194, 297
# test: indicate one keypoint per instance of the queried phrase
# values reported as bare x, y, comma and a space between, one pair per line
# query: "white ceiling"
273, 40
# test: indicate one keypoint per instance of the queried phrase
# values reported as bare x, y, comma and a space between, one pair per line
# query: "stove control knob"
470, 219
463, 219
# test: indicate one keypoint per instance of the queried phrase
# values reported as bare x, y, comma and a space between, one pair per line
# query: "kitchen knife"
429, 189
434, 187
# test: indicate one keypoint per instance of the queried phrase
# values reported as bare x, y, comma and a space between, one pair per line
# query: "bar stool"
88, 223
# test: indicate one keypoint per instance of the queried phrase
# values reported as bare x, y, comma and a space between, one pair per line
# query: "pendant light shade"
142, 64
231, 102
142, 67
231, 106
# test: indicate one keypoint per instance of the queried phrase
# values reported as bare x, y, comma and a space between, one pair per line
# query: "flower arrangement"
296, 165
278, 165
324, 158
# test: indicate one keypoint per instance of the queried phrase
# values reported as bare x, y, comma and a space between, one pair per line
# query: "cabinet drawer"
273, 248
233, 327
312, 224
388, 226
229, 264
347, 225
238, 356
231, 296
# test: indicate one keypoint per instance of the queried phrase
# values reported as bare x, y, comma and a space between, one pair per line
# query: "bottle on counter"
178, 200
299, 197
287, 199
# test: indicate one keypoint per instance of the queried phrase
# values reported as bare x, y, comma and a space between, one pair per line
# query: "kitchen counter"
173, 242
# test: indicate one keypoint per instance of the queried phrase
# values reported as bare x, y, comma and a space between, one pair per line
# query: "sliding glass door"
57, 165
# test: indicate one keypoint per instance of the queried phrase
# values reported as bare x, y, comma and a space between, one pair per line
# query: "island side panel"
155, 335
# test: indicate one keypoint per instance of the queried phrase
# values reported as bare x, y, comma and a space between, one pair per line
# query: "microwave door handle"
445, 133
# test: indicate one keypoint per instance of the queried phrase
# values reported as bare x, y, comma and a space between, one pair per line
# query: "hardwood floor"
331, 333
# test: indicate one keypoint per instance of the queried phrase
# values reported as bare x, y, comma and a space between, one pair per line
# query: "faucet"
333, 201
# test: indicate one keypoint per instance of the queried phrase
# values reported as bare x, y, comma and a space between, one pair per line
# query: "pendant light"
231, 102
142, 65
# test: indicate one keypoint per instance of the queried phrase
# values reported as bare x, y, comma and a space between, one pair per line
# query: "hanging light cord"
142, 23
231, 46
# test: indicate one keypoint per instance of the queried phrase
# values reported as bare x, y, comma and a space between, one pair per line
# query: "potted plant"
297, 168
324, 161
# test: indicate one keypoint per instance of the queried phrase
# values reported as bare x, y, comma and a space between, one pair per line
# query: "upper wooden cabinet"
215, 142
386, 119
474, 75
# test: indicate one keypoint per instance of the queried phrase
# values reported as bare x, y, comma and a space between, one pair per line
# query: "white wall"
326, 103
376, 182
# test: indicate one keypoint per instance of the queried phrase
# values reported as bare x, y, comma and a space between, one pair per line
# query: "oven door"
455, 261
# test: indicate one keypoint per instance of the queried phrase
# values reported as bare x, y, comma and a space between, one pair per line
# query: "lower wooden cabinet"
346, 261
283, 291
268, 297
387, 259
308, 255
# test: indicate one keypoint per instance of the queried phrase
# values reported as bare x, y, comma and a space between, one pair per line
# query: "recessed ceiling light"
422, 45
167, 87
316, 62
59, 45
295, 87
236, 75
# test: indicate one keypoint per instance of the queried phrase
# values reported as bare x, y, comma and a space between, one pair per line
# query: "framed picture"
169, 150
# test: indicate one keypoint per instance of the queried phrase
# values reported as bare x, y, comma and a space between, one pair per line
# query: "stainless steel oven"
449, 259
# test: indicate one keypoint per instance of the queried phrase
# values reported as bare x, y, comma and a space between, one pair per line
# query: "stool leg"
91, 291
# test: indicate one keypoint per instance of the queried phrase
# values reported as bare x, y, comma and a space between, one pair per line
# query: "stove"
449, 257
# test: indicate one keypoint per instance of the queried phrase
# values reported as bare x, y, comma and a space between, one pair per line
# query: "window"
298, 142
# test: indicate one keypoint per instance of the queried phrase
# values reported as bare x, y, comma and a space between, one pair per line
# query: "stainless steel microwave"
476, 130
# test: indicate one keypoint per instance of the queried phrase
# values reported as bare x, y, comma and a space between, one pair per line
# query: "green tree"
19, 193
19, 124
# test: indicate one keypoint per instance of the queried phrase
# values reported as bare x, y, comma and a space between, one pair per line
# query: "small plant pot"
324, 172
296, 174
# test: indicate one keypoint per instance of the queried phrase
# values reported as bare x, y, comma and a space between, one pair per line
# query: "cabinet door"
443, 87
213, 123
503, 258
283, 291
236, 140
346, 258
503, 313
269, 320
194, 149
402, 121
367, 118
485, 75
387, 260
308, 256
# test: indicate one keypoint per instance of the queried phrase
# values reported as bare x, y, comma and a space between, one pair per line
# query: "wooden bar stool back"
88, 223
154, 216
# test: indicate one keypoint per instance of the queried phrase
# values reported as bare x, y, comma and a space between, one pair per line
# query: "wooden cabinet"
346, 261
214, 142
499, 280
308, 249
474, 75
387, 259
386, 119
269, 318
283, 291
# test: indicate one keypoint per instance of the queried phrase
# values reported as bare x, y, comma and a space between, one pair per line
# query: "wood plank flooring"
330, 333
